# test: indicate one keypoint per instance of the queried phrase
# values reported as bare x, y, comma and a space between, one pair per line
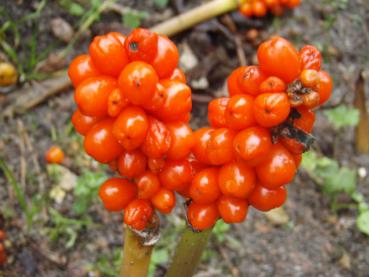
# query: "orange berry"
54, 155
83, 123
116, 102
156, 164
167, 57
232, 210
204, 188
220, 146
116, 193
130, 127
158, 139
272, 84
138, 214
201, 145
271, 109
80, 69
142, 45
236, 179
324, 86
132, 164
181, 141
176, 175
277, 169
276, 52
264, 199
232, 81
252, 143
202, 216
148, 185
138, 82
250, 79
100, 142
177, 102
216, 112
309, 77
92, 94
239, 114
164, 201
108, 53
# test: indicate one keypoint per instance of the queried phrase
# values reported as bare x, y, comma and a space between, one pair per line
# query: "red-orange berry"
232, 210
265, 199
271, 109
236, 179
176, 175
108, 53
202, 216
101, 144
277, 169
164, 201
138, 214
54, 155
216, 112
239, 114
138, 82
148, 185
132, 163
204, 188
130, 128
92, 94
181, 140
116, 193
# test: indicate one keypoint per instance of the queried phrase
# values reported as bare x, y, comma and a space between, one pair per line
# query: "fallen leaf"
61, 29
277, 216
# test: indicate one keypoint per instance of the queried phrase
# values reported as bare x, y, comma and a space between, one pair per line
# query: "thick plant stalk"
362, 129
197, 15
188, 253
136, 256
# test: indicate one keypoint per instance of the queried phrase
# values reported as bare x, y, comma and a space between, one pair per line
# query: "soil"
316, 241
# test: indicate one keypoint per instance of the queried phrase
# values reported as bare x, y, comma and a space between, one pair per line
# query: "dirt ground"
316, 241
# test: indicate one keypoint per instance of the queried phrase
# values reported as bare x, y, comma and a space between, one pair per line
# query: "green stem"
188, 253
199, 14
17, 190
136, 256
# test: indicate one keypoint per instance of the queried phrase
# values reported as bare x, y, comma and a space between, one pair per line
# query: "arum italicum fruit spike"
202, 13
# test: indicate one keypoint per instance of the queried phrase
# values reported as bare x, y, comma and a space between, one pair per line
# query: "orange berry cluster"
257, 135
2, 249
260, 8
133, 111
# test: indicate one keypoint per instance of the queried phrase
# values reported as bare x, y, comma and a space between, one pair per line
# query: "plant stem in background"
362, 129
19, 193
136, 256
197, 15
188, 253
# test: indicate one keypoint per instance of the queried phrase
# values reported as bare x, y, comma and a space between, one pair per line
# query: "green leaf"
220, 229
362, 222
342, 116
342, 181
161, 3
133, 19
86, 191
72, 7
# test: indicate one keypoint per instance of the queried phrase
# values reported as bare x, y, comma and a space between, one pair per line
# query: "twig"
29, 96
193, 17
234, 270
237, 39
362, 129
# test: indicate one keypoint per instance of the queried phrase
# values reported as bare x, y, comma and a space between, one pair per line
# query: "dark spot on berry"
133, 46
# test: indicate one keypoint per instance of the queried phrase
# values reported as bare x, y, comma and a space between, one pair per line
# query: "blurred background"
54, 222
